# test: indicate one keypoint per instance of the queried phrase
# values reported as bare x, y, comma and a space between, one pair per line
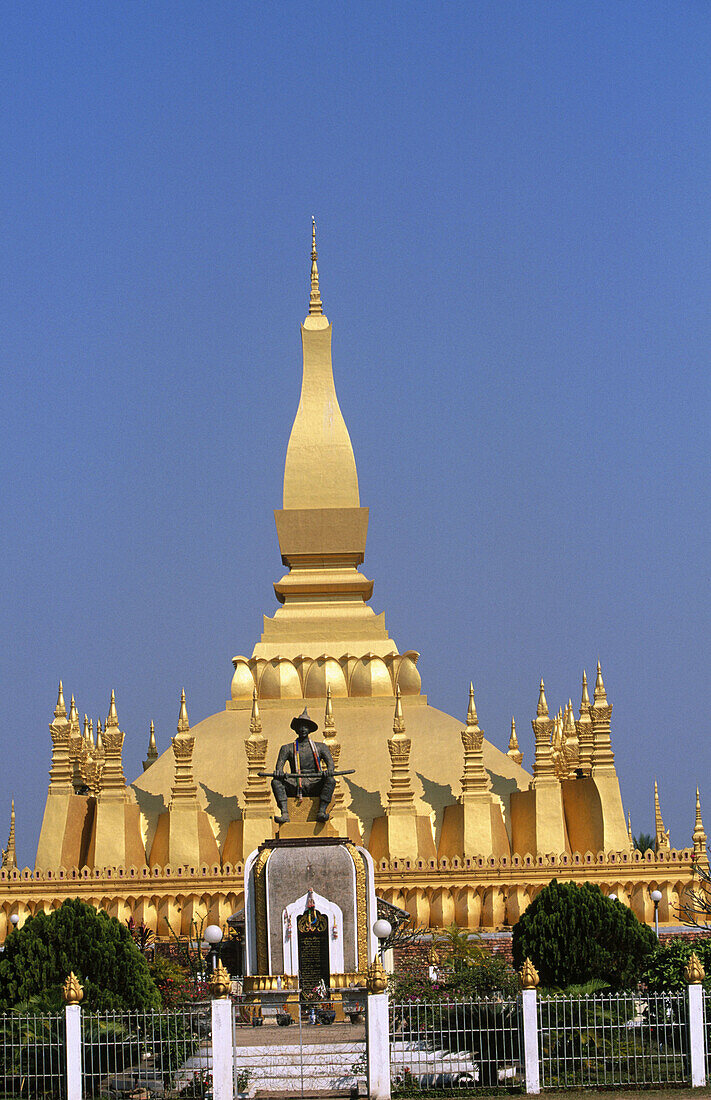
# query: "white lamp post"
612, 897
213, 937
656, 896
382, 929
14, 920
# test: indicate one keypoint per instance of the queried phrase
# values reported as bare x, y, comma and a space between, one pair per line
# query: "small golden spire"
600, 695
99, 742
542, 708
585, 698
315, 304
73, 712
152, 754
60, 711
91, 734
112, 717
183, 722
661, 834
472, 719
86, 727
570, 722
328, 722
629, 827
255, 722
513, 751
398, 720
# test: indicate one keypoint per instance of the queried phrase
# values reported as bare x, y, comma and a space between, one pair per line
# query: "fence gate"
287, 1046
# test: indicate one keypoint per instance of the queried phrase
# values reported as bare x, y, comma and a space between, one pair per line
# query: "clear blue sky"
513, 203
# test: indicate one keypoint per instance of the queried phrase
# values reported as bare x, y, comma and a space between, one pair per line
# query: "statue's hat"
304, 717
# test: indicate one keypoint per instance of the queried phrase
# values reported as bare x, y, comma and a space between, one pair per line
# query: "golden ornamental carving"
377, 978
361, 906
694, 972
60, 733
260, 909
72, 990
601, 714
472, 740
255, 748
220, 982
182, 747
529, 975
399, 748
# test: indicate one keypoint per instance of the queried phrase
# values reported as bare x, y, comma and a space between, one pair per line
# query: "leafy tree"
573, 934
76, 937
463, 968
644, 842
665, 966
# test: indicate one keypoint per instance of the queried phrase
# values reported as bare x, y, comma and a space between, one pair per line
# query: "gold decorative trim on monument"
361, 907
260, 910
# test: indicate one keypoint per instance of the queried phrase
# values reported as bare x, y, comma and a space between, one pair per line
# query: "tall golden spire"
184, 789
543, 762
586, 737
315, 305
542, 708
629, 827
600, 697
99, 739
401, 797
9, 857
475, 778
330, 737
699, 835
661, 841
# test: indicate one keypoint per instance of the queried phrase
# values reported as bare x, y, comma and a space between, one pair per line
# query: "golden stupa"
458, 830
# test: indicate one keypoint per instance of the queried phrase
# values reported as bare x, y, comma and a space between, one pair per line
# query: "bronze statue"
307, 776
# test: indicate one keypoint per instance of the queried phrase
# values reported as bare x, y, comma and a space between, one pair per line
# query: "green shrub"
76, 937
664, 968
573, 934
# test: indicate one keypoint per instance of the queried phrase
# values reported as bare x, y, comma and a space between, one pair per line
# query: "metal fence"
454, 1045
312, 1049
32, 1056
614, 1040
147, 1054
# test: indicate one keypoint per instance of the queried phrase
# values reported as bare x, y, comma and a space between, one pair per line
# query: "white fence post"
696, 1036
377, 1035
529, 1011
222, 1053
72, 1023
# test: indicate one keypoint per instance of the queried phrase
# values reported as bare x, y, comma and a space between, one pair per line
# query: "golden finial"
152, 739
328, 722
91, 734
570, 723
585, 698
398, 720
529, 975
60, 711
472, 719
255, 722
513, 750
220, 982
72, 990
86, 727
629, 827
377, 978
73, 712
699, 835
542, 708
112, 717
183, 722
99, 742
315, 304
694, 972
152, 754
600, 695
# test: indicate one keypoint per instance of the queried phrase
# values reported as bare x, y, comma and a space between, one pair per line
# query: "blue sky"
513, 208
